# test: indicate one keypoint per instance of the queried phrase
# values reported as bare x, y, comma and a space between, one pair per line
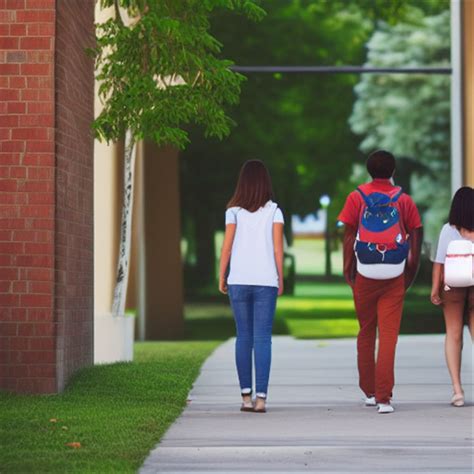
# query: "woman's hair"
461, 214
254, 187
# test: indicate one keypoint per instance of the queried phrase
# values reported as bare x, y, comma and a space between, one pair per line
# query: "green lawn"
317, 310
320, 310
309, 255
116, 412
310, 258
213, 320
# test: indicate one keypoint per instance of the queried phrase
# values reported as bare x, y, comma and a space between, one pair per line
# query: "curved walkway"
316, 421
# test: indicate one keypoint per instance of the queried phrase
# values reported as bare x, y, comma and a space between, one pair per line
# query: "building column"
161, 284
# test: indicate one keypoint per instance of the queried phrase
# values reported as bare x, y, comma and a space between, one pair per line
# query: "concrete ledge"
113, 338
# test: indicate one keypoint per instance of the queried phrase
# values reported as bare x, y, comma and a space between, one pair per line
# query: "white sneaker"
385, 408
370, 402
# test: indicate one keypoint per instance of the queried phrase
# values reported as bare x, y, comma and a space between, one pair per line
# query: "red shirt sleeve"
410, 214
351, 210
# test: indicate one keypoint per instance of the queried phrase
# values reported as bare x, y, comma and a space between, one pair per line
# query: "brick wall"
27, 329
45, 193
74, 185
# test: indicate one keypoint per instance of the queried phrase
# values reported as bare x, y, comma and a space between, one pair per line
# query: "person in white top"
253, 246
456, 302
252, 259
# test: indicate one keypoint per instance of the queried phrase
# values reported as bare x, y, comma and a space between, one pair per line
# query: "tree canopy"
410, 114
298, 124
161, 71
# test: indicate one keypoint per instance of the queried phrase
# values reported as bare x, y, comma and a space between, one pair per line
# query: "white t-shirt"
448, 233
252, 260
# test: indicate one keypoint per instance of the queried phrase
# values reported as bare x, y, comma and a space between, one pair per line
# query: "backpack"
458, 266
381, 247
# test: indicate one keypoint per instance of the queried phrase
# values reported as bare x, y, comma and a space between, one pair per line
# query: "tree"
159, 71
296, 123
410, 114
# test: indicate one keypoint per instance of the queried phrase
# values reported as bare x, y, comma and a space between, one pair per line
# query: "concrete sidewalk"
316, 421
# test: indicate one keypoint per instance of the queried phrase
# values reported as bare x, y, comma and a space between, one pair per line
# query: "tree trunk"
288, 229
120, 292
205, 248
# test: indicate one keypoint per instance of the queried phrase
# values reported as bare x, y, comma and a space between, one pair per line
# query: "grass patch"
310, 258
117, 412
317, 310
309, 255
327, 310
214, 321
323, 328
310, 308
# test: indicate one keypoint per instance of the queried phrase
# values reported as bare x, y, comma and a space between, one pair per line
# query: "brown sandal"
245, 407
261, 410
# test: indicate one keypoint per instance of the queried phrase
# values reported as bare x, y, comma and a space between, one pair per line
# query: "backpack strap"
364, 196
397, 195
369, 203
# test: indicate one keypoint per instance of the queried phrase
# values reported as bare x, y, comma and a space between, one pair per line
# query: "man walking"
382, 246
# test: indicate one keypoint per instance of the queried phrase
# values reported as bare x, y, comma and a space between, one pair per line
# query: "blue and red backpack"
381, 236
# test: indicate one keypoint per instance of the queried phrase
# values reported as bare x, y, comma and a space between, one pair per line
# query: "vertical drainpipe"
456, 97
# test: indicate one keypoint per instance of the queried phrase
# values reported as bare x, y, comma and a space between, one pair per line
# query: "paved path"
315, 420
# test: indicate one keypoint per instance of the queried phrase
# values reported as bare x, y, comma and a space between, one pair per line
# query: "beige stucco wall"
105, 225
106, 211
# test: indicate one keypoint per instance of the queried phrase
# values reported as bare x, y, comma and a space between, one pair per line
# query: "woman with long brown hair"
253, 245
457, 302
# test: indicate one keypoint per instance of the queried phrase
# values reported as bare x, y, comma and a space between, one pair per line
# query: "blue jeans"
254, 308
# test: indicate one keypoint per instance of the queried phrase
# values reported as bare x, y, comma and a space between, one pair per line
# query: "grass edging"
116, 412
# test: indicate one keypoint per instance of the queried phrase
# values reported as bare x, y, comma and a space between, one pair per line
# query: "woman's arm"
437, 275
437, 278
278, 249
225, 256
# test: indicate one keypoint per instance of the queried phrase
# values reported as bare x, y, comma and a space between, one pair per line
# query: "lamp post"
325, 201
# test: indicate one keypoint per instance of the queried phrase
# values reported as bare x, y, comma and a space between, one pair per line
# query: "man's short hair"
381, 164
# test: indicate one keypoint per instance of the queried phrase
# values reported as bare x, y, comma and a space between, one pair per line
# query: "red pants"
379, 305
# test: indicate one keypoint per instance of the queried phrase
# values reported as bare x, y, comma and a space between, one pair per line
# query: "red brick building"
46, 192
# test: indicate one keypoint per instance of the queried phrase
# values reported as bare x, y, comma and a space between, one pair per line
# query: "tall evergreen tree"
410, 114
